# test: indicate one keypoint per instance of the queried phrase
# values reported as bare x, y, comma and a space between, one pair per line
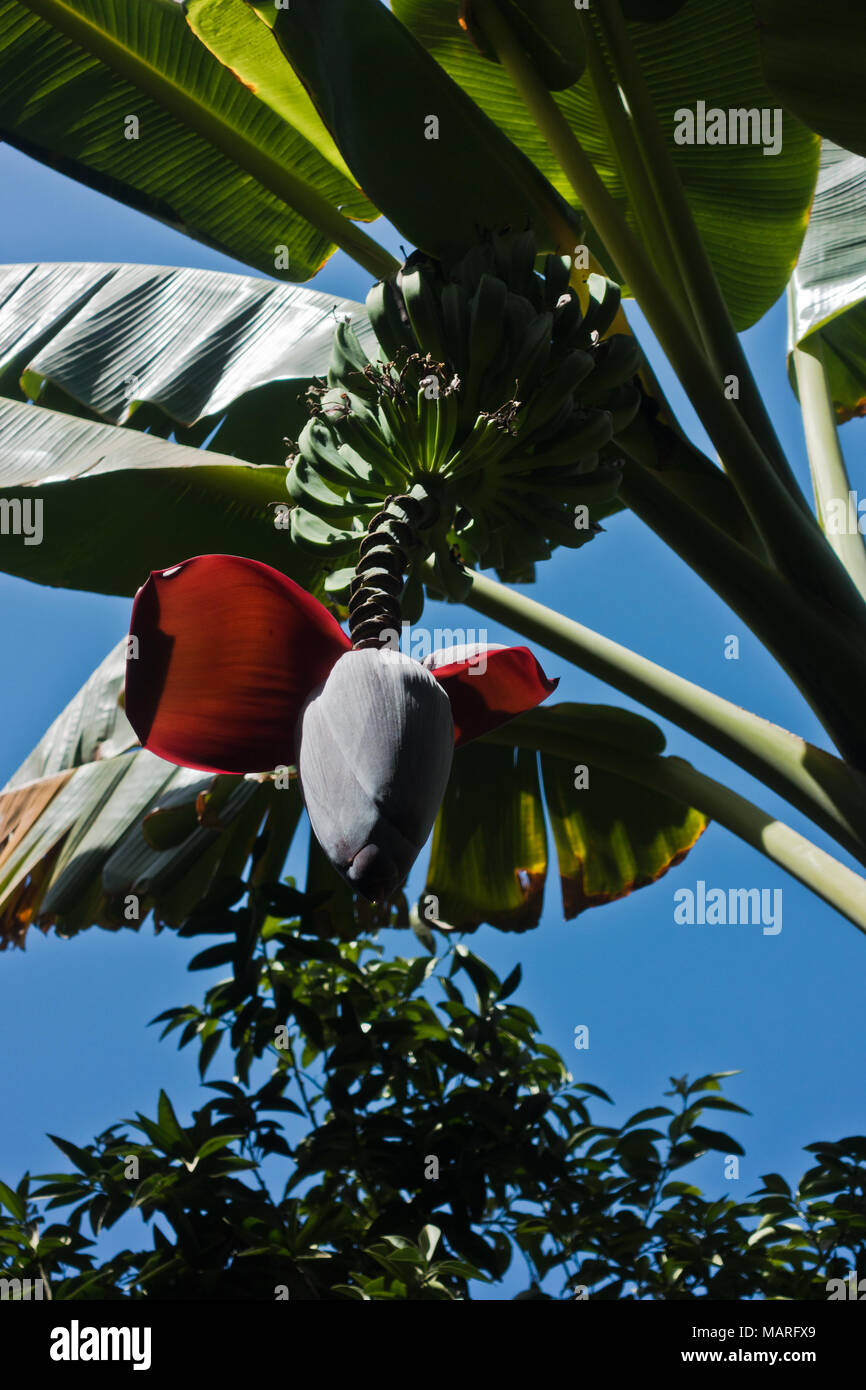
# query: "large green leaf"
73, 845
828, 287
488, 862
612, 836
426, 155
210, 159
115, 504
814, 58
489, 856
212, 358
241, 41
751, 209
170, 349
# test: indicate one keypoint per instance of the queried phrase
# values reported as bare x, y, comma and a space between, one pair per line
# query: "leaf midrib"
269, 172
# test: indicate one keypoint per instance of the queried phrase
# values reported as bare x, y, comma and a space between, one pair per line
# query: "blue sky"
660, 998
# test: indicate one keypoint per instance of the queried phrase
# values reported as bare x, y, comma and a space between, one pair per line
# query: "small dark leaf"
511, 982
655, 1112
84, 1161
213, 956
715, 1139
13, 1202
208, 1051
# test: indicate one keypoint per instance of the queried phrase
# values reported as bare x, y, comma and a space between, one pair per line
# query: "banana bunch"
493, 388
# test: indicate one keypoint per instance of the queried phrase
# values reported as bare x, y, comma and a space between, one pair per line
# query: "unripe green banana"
494, 554
506, 426
425, 313
523, 279
485, 444
519, 318
603, 307
318, 446
547, 434
336, 465
447, 411
586, 432
557, 273
548, 399
367, 480
338, 582
427, 423
589, 489
412, 597
486, 322
474, 533
622, 404
499, 382
557, 520
348, 361
390, 324
455, 319
360, 431
568, 325
452, 576
616, 360
307, 488
524, 540
477, 263
532, 358
313, 534
400, 432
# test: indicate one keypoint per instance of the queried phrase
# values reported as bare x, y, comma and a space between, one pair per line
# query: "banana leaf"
164, 347
814, 58
828, 288
433, 162
92, 506
751, 209
95, 830
489, 860
211, 359
120, 95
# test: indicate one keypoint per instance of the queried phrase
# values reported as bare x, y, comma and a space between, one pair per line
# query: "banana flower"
234, 668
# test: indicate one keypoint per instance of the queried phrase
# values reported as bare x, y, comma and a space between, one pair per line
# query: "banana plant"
498, 405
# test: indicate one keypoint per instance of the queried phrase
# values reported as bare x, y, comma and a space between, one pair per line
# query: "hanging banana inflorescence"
375, 612
475, 435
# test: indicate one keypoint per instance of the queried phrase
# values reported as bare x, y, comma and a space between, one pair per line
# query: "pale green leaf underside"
188, 342
829, 282
236, 35
116, 504
199, 129
209, 357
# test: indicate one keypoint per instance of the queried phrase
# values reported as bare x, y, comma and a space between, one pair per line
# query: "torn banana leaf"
96, 831
611, 835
